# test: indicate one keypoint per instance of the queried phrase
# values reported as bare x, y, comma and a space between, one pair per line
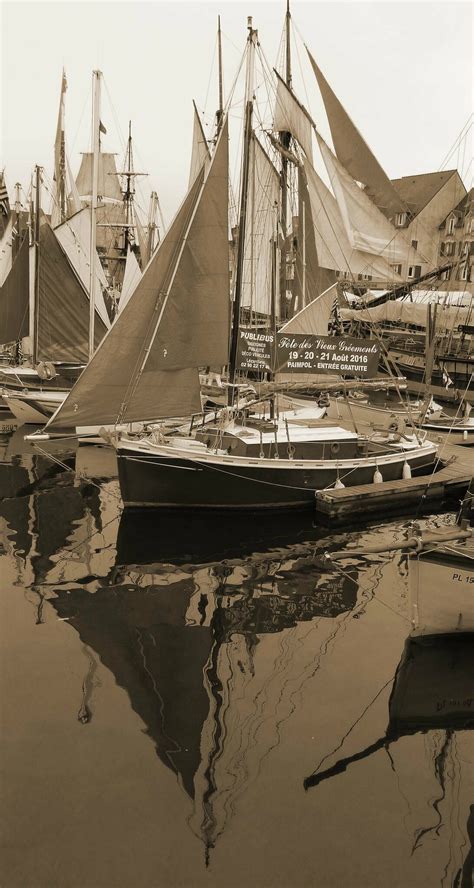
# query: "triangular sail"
176, 321
200, 150
290, 116
314, 318
62, 310
131, 277
262, 206
366, 226
74, 235
354, 153
333, 247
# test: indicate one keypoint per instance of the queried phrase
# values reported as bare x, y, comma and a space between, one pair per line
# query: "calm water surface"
191, 702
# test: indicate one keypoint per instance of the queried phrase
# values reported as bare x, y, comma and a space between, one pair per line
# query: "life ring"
290, 450
393, 426
335, 447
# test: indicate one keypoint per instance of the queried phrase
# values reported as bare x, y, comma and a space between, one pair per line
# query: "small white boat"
33, 406
442, 589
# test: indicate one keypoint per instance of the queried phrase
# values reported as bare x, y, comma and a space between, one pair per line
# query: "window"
445, 275
464, 272
471, 225
450, 248
450, 226
397, 269
414, 271
442, 249
414, 244
400, 220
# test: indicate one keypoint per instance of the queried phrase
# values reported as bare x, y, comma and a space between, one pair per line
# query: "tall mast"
16, 239
285, 138
36, 240
220, 112
96, 81
128, 194
249, 86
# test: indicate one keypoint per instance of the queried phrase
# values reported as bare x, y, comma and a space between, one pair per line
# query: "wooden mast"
251, 43
285, 139
220, 111
36, 240
96, 80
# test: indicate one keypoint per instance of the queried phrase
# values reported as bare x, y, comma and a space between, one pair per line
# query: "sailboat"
176, 322
46, 304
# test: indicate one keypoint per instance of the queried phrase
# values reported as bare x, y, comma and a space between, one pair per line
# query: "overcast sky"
403, 71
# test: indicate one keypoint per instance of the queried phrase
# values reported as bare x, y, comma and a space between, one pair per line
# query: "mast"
220, 111
285, 139
96, 81
62, 157
249, 79
36, 238
128, 193
16, 239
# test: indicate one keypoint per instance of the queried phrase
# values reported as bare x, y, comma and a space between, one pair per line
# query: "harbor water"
205, 700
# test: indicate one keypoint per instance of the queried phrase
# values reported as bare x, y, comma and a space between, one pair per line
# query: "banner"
298, 353
255, 350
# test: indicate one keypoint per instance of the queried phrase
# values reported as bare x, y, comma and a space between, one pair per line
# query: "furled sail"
176, 321
290, 116
262, 204
333, 247
132, 275
310, 279
448, 317
200, 150
354, 153
62, 310
64, 203
74, 235
366, 226
14, 297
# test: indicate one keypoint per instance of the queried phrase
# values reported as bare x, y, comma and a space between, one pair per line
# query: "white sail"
354, 153
200, 150
366, 226
131, 277
74, 237
314, 318
262, 205
290, 116
332, 243
176, 320
448, 318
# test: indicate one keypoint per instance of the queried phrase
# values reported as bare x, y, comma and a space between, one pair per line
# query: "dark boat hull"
162, 481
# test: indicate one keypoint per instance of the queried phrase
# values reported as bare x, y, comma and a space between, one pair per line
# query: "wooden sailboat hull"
159, 476
34, 406
442, 590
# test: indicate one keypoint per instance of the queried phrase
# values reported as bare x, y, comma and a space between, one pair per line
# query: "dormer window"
400, 220
414, 271
450, 225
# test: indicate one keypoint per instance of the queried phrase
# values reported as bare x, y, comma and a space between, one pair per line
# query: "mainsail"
262, 207
74, 235
176, 321
62, 308
310, 279
314, 318
354, 153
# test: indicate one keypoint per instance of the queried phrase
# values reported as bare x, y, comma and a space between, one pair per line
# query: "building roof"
464, 205
417, 191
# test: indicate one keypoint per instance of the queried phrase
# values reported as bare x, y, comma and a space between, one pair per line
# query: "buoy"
378, 479
464, 435
338, 484
406, 473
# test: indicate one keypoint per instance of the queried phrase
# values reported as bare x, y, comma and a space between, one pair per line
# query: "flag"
4, 202
102, 128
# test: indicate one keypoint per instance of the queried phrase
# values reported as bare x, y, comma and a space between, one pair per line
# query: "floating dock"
419, 494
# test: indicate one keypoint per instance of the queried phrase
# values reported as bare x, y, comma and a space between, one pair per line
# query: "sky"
402, 70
